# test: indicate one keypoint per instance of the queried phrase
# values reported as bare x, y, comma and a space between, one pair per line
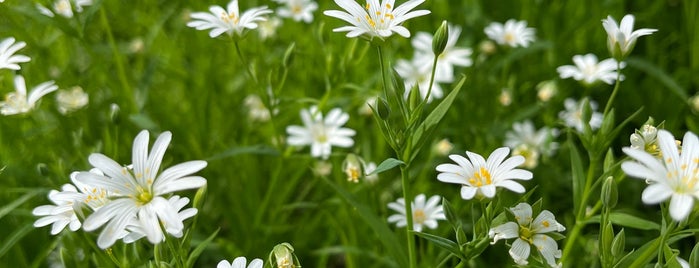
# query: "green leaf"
639, 258
450, 214
671, 257
658, 74
694, 256
18, 202
444, 243
623, 219
382, 232
143, 121
387, 164
200, 248
423, 131
578, 174
15, 236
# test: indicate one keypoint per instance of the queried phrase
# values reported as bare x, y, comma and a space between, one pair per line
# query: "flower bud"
284, 256
439, 42
114, 113
618, 244
383, 109
609, 192
694, 103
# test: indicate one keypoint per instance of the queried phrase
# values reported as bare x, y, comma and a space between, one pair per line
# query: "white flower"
417, 74
513, 33
71, 100
240, 262
588, 70
526, 141
675, 176
452, 55
645, 139
63, 7
18, 102
478, 176
268, 28
228, 20
299, 10
368, 169
375, 20
573, 115
622, 38
443, 147
321, 133
530, 233
257, 111
424, 213
137, 192
546, 90
8, 60
135, 231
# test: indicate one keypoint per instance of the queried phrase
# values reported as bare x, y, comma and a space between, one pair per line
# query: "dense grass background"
166, 76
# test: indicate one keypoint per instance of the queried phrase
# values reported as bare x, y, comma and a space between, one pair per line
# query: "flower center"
419, 216
352, 174
229, 18
383, 16
480, 178
17, 101
320, 134
509, 37
144, 196
526, 234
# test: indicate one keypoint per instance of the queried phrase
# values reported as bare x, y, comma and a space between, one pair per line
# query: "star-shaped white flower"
299, 10
450, 57
321, 133
19, 102
424, 213
588, 70
675, 176
416, 73
8, 59
240, 262
530, 233
526, 141
622, 38
228, 20
573, 115
374, 19
478, 176
514, 33
137, 192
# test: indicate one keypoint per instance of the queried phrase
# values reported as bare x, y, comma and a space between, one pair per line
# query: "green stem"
580, 216
434, 70
616, 88
121, 73
383, 73
248, 68
667, 229
405, 178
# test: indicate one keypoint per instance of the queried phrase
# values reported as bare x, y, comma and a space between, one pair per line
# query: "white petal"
520, 251
656, 193
680, 206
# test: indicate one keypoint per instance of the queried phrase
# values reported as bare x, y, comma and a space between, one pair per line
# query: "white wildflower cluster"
129, 202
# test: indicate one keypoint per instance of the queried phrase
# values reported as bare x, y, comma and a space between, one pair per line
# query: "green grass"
261, 193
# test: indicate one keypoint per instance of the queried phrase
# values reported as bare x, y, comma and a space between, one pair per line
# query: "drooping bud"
352, 166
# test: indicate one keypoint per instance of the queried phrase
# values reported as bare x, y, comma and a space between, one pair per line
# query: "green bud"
114, 112
199, 197
42, 169
607, 123
398, 83
449, 212
288, 55
607, 237
618, 244
382, 108
610, 194
586, 115
414, 98
461, 236
439, 42
608, 160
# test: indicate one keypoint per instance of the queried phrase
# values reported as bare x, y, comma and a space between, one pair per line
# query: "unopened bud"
398, 84
284, 256
114, 113
610, 194
439, 42
383, 109
618, 244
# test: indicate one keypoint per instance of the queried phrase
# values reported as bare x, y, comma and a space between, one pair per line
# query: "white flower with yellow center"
573, 115
228, 20
8, 59
530, 233
137, 193
646, 139
71, 100
299, 10
321, 133
478, 176
674, 177
19, 102
135, 231
240, 262
588, 70
514, 33
374, 19
622, 38
526, 141
450, 57
424, 213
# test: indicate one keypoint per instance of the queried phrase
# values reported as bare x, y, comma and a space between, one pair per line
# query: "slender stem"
248, 68
616, 88
570, 240
434, 70
405, 178
121, 73
580, 216
667, 228
383, 72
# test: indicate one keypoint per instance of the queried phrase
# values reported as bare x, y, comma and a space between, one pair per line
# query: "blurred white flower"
589, 71
268, 28
8, 60
530, 233
480, 177
526, 141
546, 90
368, 169
321, 133
424, 213
299, 10
417, 74
228, 20
353, 166
63, 7
257, 111
240, 262
19, 102
71, 100
674, 176
514, 33
572, 116
375, 20
622, 38
137, 192
443, 147
505, 97
452, 55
